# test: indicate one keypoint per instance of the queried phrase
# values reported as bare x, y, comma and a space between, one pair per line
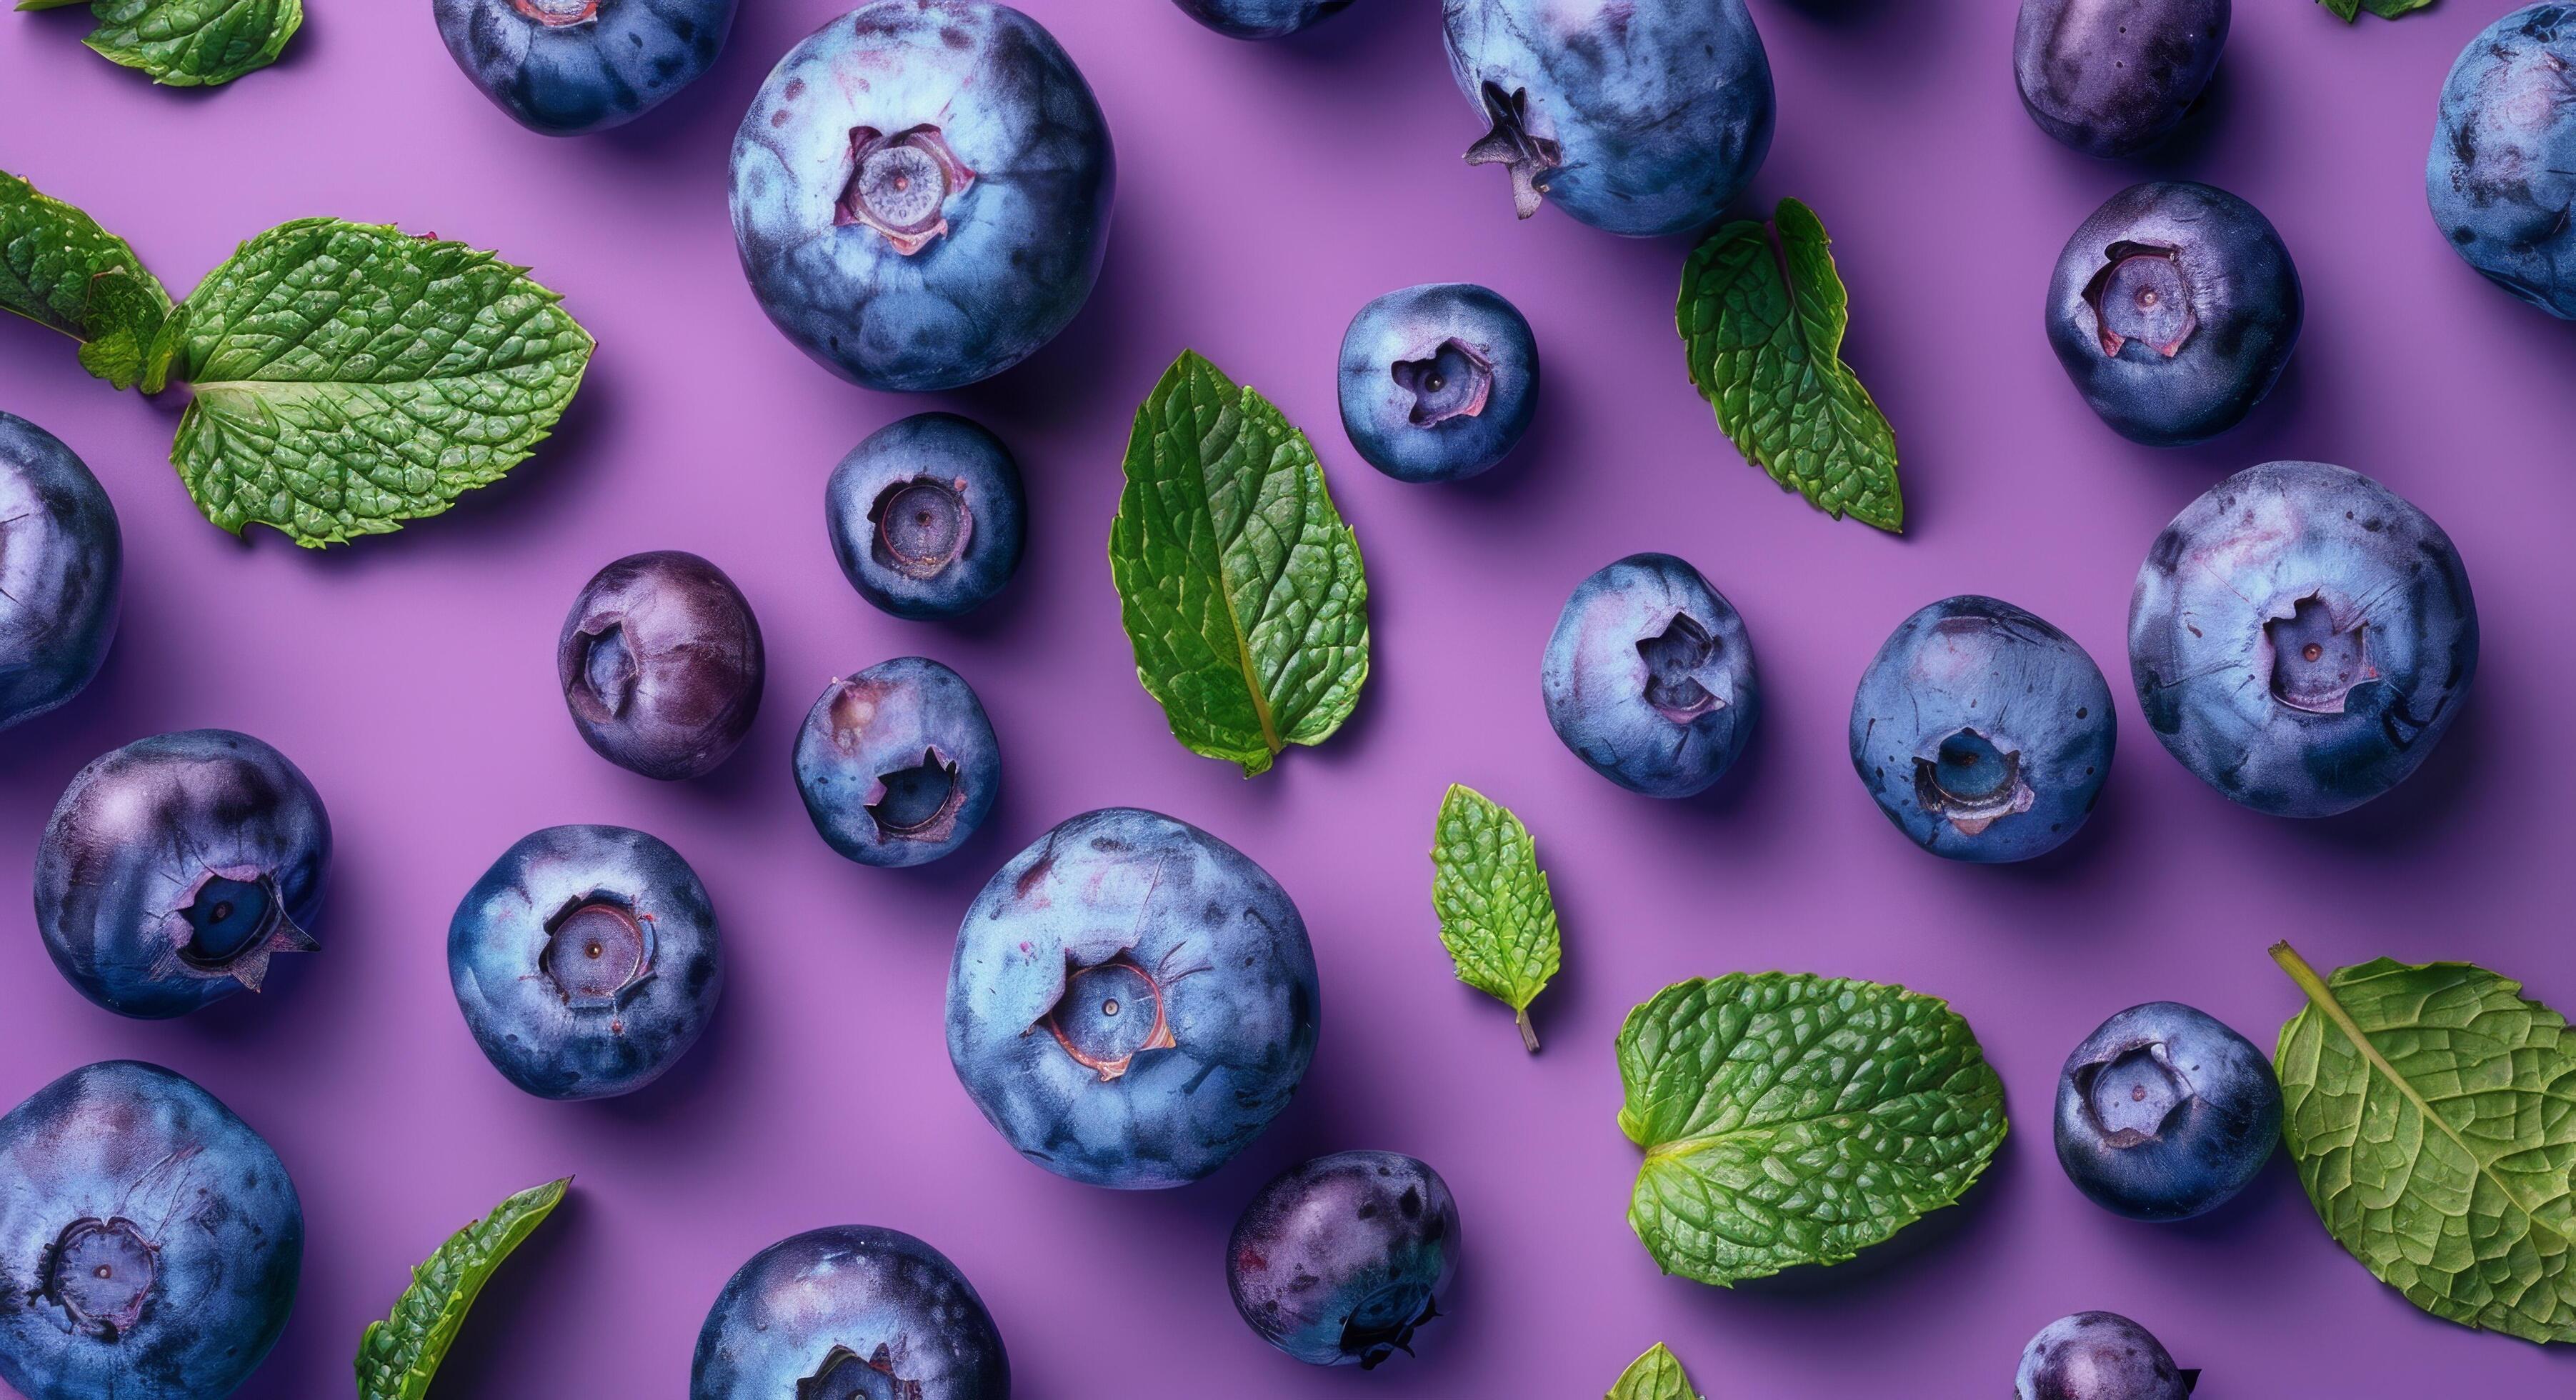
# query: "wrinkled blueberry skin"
2114, 77
186, 1240
898, 764
852, 1312
586, 961
2170, 266
661, 664
564, 67
1438, 382
1641, 117
61, 561
1983, 732
927, 516
1200, 951
1259, 19
2099, 1356
1341, 1258
1649, 677
175, 869
2164, 1113
1006, 256
2272, 562
2502, 172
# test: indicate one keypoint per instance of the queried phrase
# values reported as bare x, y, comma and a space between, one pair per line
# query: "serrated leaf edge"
1547, 892
516, 1218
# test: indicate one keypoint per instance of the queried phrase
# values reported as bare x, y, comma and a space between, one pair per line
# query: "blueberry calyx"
100, 1273
1110, 1013
1684, 678
598, 952
900, 185
918, 803
607, 667
2132, 1093
1372, 1340
1448, 380
1511, 143
1971, 781
923, 524
559, 14
2315, 664
845, 1375
233, 922
2141, 293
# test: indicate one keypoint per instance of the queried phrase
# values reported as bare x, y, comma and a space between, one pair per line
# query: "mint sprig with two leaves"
399, 1356
188, 43
1497, 914
346, 377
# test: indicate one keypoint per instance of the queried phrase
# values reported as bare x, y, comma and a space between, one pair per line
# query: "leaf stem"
1529, 1033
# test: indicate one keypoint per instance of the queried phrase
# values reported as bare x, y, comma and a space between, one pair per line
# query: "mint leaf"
1657, 1375
190, 43
1497, 917
2432, 1113
350, 377
1793, 1119
399, 1356
1240, 586
1764, 333
2348, 10
52, 260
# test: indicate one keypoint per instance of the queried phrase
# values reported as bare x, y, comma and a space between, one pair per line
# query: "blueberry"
2174, 309
1341, 1258
564, 67
2114, 77
661, 664
1649, 677
2098, 1356
1636, 116
926, 516
921, 192
1438, 381
852, 1312
175, 868
586, 961
1132, 1001
2502, 173
61, 557
2300, 636
150, 1241
1259, 19
2164, 1113
1983, 732
897, 764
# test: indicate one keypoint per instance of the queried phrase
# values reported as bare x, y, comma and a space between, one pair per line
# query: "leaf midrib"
1672, 1148
1242, 406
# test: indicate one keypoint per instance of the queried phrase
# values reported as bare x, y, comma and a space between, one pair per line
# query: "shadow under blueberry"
2432, 799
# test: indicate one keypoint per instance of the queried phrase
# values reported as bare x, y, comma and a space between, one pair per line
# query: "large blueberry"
586, 961
1983, 732
2300, 636
61, 558
2502, 173
927, 516
1649, 677
150, 1241
2174, 309
897, 764
1438, 382
2114, 77
1132, 1000
2164, 1112
1341, 1258
1636, 116
852, 1312
564, 67
921, 192
175, 868
1258, 19
661, 664
2099, 1356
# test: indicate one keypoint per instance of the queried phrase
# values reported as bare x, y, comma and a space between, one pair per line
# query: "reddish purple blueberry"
661, 664
2099, 1356
927, 516
897, 764
1343, 1258
61, 562
2115, 77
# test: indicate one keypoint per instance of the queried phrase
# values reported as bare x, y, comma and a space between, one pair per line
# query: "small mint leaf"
399, 1356
1657, 1375
1763, 332
350, 377
124, 317
1497, 917
1240, 587
194, 43
52, 260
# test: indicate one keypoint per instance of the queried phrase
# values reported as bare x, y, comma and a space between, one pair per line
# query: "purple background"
1265, 192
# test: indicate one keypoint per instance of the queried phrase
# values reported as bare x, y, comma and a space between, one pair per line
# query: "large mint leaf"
1793, 1119
2432, 1113
189, 43
1497, 917
1239, 584
399, 1356
350, 377
1763, 331
1657, 1375
58, 268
